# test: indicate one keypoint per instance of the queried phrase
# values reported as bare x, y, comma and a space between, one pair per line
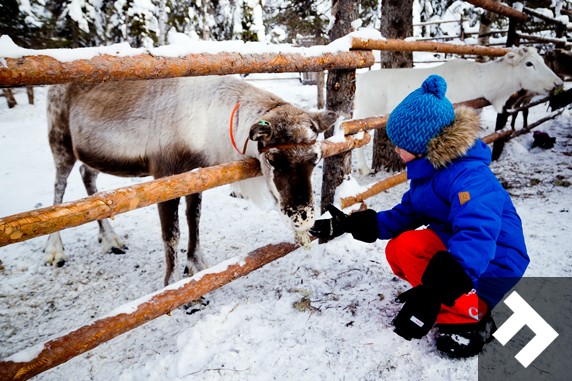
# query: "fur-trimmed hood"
456, 139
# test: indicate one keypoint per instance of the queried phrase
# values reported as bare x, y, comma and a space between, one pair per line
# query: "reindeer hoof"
116, 250
60, 263
196, 305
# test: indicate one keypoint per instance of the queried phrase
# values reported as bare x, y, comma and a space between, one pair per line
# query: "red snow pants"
409, 254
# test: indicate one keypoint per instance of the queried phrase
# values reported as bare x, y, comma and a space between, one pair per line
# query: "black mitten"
418, 314
443, 281
363, 225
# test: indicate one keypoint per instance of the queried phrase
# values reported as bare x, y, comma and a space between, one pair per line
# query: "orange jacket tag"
464, 197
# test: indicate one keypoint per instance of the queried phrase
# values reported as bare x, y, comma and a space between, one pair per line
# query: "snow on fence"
44, 70
41, 357
27, 225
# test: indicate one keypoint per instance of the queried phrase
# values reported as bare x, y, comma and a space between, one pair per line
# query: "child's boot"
465, 340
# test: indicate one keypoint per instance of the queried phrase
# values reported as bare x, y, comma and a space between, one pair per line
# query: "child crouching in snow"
472, 251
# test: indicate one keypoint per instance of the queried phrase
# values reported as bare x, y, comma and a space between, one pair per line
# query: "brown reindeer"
165, 127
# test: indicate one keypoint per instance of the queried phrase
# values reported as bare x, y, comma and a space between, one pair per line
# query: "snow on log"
39, 358
396, 45
499, 9
26, 225
331, 149
44, 70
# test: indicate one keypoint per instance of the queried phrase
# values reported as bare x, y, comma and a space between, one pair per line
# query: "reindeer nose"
300, 225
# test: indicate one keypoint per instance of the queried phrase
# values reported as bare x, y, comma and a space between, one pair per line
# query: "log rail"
45, 70
27, 225
62, 349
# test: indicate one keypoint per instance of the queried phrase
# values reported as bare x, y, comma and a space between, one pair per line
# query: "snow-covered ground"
250, 330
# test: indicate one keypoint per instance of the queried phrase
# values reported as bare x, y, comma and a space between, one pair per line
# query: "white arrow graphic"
525, 315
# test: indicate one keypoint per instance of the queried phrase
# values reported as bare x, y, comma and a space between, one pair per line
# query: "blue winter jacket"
466, 206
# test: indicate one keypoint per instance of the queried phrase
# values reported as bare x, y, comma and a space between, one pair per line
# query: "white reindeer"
379, 92
165, 127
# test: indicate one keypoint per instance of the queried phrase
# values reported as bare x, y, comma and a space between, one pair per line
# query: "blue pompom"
435, 85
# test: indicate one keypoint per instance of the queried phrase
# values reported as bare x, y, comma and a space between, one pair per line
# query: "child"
472, 251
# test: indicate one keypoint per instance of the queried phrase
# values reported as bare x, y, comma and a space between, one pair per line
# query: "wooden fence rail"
396, 45
62, 349
27, 225
44, 70
499, 9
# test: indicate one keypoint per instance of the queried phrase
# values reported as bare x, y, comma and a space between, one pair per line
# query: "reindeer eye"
528, 63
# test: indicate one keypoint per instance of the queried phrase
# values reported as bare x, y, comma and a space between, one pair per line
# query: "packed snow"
184, 46
323, 314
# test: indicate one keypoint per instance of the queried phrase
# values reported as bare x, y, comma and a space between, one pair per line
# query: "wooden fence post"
511, 39
397, 22
341, 89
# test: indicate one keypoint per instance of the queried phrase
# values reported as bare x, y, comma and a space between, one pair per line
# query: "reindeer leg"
64, 160
169, 216
111, 241
54, 249
362, 167
195, 259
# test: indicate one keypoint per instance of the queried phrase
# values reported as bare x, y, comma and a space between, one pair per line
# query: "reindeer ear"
261, 131
512, 58
325, 120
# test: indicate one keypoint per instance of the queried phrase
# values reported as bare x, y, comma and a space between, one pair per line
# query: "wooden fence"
27, 225
45, 70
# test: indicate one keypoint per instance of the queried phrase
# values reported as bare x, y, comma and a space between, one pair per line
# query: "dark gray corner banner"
533, 340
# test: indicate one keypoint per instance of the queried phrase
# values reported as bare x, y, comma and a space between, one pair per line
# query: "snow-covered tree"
133, 21
299, 18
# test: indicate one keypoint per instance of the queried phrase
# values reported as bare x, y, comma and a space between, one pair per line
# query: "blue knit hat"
421, 116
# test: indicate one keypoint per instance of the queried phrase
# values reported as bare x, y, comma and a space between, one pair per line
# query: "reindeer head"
289, 152
531, 70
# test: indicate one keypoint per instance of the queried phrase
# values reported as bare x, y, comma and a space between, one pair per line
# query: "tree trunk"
205, 22
162, 23
320, 85
512, 39
396, 22
341, 88
9, 97
75, 35
30, 91
487, 20
126, 24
